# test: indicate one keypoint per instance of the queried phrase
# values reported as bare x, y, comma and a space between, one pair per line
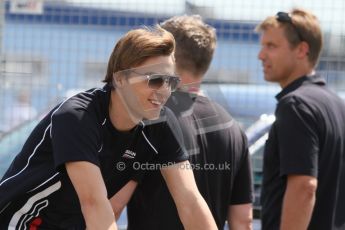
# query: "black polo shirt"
218, 153
36, 192
307, 138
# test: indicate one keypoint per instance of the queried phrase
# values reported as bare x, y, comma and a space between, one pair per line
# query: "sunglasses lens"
156, 82
174, 81
283, 17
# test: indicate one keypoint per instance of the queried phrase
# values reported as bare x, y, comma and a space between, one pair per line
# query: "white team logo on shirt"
129, 154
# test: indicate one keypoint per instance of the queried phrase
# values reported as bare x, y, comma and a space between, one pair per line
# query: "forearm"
196, 207
297, 207
118, 213
191, 206
122, 197
98, 215
240, 217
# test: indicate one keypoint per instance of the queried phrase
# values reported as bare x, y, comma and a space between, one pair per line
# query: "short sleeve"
75, 137
242, 192
298, 139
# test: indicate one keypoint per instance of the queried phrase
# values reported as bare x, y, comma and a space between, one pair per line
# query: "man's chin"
152, 114
268, 78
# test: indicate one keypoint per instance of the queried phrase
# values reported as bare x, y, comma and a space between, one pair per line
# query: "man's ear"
117, 80
303, 49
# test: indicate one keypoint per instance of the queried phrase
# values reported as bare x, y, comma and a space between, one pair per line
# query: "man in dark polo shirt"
304, 170
75, 168
216, 144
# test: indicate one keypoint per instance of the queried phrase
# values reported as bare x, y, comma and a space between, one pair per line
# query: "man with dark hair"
74, 170
216, 145
304, 168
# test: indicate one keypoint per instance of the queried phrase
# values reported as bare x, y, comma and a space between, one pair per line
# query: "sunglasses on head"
286, 17
156, 81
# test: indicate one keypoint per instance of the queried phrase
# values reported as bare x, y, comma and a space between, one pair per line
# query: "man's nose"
261, 54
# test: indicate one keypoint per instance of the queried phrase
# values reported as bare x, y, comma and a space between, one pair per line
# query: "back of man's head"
195, 43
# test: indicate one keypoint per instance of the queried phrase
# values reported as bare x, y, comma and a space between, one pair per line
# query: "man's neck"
298, 73
190, 83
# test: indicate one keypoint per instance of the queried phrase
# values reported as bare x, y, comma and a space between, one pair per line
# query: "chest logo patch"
129, 154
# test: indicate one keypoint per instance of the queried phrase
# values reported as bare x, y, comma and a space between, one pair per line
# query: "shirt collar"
304, 80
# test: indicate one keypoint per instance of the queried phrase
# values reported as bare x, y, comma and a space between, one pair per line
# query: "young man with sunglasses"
74, 170
304, 168
216, 145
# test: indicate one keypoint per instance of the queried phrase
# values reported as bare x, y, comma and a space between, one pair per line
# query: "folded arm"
122, 197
